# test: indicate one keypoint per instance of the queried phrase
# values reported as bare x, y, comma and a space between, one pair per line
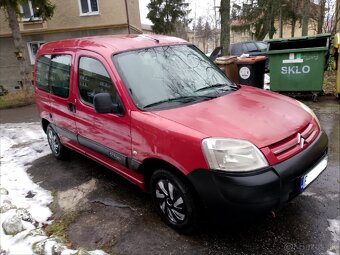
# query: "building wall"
67, 16
65, 23
9, 68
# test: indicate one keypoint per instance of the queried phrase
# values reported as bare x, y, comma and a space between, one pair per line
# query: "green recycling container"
298, 64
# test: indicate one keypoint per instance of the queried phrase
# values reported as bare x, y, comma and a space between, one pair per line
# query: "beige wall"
67, 17
65, 23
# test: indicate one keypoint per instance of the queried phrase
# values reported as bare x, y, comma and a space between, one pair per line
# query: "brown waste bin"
228, 65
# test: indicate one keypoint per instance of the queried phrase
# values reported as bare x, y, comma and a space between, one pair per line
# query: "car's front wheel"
174, 201
58, 150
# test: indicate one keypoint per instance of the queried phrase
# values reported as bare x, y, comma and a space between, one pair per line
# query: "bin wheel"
315, 97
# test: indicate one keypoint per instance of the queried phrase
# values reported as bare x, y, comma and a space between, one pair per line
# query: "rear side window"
60, 75
94, 79
53, 74
43, 65
236, 49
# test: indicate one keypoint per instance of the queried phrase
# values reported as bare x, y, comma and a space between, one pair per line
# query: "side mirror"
103, 104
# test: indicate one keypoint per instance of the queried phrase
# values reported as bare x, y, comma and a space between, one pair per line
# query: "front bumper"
260, 191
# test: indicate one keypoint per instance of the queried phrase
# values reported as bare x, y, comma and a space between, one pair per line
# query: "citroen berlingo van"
157, 111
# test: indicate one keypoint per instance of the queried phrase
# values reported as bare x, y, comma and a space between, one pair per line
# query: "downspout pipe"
127, 16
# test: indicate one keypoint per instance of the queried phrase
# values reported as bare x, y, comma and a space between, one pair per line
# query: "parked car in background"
253, 48
157, 111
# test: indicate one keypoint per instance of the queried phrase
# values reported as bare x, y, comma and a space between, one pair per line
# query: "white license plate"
312, 174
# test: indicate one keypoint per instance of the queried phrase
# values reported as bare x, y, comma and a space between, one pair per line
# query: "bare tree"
225, 26
305, 17
321, 18
43, 9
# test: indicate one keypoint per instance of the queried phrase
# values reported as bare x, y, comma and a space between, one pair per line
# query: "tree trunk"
204, 45
293, 26
321, 17
225, 26
305, 17
20, 47
337, 17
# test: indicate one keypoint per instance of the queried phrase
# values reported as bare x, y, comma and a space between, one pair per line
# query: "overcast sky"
204, 8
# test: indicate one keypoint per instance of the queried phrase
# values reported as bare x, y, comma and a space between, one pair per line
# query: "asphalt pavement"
114, 215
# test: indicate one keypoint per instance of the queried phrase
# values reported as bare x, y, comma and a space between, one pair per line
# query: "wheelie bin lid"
250, 60
318, 42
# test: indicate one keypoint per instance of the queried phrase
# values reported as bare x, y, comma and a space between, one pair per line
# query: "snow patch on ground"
323, 197
21, 144
334, 228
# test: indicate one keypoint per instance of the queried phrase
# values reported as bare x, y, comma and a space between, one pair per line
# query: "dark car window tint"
237, 49
60, 75
252, 47
94, 79
262, 46
42, 71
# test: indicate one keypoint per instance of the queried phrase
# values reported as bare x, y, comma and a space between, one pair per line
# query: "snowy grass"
21, 144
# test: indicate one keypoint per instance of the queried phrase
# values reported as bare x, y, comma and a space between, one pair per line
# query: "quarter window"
94, 79
29, 11
32, 50
53, 74
88, 7
43, 65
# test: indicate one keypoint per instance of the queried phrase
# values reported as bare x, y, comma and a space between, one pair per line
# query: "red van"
157, 111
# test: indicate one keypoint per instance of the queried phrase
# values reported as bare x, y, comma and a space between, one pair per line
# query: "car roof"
112, 43
252, 41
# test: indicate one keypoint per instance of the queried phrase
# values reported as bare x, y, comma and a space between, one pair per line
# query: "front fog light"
234, 155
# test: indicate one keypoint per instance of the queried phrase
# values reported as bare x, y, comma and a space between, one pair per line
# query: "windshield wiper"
183, 99
217, 85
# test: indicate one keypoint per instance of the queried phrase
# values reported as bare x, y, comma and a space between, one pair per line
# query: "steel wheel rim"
53, 141
171, 201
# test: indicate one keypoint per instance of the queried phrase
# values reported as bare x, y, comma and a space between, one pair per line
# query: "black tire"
174, 201
58, 150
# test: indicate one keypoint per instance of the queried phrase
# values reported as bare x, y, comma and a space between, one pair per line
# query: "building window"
88, 7
29, 12
32, 50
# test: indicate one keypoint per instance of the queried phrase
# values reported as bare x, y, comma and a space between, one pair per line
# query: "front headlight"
234, 155
310, 111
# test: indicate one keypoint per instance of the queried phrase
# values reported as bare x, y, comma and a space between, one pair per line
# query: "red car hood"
261, 117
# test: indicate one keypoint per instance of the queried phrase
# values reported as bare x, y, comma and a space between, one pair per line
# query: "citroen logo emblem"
300, 140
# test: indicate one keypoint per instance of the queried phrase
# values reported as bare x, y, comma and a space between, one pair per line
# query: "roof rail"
149, 37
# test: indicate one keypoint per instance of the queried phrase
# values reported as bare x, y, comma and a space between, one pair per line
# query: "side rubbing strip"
121, 159
64, 132
114, 155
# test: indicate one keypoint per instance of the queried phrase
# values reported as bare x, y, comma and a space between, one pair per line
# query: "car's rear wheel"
58, 150
174, 201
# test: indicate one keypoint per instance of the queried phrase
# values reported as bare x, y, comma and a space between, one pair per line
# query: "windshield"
168, 76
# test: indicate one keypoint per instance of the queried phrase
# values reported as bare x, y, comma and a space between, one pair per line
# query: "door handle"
71, 107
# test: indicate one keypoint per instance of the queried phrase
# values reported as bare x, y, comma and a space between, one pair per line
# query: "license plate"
312, 174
